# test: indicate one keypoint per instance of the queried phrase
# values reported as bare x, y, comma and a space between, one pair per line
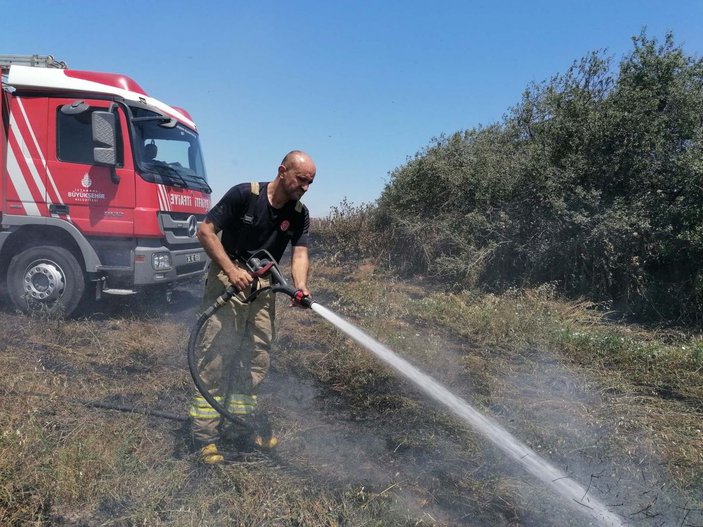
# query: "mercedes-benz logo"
192, 226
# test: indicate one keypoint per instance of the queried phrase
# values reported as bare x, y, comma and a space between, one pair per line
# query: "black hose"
105, 405
132, 410
280, 286
193, 362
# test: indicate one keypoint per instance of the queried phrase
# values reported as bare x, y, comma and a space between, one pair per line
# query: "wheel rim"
44, 281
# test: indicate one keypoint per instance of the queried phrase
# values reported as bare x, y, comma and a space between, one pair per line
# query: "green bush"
346, 233
594, 180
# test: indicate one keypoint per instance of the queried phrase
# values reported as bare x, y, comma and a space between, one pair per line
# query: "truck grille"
179, 229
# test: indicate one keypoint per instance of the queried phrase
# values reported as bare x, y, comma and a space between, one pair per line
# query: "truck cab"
102, 188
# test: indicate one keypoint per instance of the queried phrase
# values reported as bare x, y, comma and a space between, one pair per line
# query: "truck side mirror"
105, 137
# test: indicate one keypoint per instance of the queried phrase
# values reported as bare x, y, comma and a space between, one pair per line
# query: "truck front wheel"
45, 279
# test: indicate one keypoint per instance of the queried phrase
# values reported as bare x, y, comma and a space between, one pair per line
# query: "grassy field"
618, 408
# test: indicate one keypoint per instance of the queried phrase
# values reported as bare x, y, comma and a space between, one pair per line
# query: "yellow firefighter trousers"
234, 343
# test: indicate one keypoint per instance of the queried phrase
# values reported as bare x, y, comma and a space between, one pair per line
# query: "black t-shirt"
271, 229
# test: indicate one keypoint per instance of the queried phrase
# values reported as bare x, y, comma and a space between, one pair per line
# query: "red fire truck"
102, 187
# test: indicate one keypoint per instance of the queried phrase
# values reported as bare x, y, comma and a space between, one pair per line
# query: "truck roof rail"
37, 61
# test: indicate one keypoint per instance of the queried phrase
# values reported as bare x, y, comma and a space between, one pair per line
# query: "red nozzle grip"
265, 269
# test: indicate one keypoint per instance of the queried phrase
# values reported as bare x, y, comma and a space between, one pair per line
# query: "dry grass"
64, 463
616, 407
616, 399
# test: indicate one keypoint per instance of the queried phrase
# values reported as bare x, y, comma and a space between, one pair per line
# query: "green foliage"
594, 180
345, 233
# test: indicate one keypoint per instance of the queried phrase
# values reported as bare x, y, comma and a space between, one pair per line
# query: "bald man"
236, 340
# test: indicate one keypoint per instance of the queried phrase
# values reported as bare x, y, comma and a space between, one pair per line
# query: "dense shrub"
594, 180
346, 232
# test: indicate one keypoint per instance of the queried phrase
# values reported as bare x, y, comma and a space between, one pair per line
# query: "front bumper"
185, 264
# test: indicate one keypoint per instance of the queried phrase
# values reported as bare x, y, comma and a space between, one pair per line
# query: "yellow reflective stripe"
241, 404
200, 413
238, 404
201, 409
201, 401
241, 409
242, 398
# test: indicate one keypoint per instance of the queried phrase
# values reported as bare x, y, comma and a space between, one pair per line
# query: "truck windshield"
168, 154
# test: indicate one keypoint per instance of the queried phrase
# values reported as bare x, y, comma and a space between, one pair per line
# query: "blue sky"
360, 85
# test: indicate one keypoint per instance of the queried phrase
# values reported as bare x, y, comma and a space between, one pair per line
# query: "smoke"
326, 445
556, 414
179, 305
321, 442
552, 405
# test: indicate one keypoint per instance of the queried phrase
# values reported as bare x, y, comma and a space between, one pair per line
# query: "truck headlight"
161, 261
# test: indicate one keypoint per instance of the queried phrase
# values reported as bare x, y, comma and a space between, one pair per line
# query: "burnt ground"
439, 466
383, 444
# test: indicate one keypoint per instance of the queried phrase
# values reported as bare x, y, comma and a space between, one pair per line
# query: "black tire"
45, 279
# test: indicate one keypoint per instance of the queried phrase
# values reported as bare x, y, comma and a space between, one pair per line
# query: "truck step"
120, 292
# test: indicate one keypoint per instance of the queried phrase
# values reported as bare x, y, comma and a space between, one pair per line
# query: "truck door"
25, 189
90, 198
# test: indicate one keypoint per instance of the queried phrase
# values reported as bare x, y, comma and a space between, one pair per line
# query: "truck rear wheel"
45, 279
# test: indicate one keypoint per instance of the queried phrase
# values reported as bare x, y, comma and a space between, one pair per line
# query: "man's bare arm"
207, 234
300, 265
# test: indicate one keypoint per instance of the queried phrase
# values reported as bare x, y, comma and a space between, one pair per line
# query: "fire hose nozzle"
301, 299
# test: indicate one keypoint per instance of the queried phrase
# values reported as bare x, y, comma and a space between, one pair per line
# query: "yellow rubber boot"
267, 443
263, 437
210, 456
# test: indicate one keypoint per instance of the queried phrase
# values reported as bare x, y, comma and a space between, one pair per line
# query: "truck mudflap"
159, 265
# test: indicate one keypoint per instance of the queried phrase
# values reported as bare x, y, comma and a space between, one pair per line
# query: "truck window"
74, 142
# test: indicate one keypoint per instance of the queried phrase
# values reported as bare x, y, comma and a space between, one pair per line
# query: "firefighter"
236, 341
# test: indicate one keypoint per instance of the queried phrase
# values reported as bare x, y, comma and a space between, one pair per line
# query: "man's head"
150, 151
295, 174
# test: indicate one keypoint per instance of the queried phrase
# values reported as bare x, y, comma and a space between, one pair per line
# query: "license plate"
190, 258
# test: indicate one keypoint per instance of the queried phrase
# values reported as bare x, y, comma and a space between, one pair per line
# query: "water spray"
560, 483
555, 479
